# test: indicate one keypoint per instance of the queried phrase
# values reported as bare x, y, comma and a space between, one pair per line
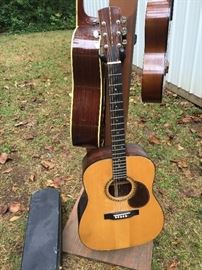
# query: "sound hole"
141, 196
120, 190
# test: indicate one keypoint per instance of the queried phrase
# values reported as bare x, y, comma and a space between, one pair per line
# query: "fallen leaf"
187, 173
153, 139
22, 123
192, 193
14, 218
199, 134
179, 147
49, 148
184, 103
2, 131
64, 198
142, 119
7, 171
3, 209
32, 178
36, 156
56, 182
3, 158
173, 265
32, 123
48, 165
6, 87
29, 136
190, 119
166, 125
14, 207
200, 152
182, 164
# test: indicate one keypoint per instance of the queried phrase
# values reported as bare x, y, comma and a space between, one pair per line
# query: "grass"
35, 83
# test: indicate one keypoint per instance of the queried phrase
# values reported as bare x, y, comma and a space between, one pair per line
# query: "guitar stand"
137, 258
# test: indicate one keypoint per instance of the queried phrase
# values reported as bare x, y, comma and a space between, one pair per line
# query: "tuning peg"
124, 42
123, 20
95, 22
96, 33
124, 31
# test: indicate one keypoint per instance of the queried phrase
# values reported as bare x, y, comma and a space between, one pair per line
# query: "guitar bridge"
121, 215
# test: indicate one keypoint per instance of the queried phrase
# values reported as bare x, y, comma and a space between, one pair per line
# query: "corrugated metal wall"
185, 54
185, 39
91, 7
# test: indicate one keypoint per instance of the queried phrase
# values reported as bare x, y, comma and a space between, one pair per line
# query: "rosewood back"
156, 34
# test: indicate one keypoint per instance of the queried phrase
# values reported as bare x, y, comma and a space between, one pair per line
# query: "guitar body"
156, 35
86, 81
108, 223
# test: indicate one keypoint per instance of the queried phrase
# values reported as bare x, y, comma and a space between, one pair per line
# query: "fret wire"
117, 162
120, 170
114, 74
115, 135
117, 155
113, 102
115, 84
117, 177
119, 151
120, 173
118, 129
121, 146
117, 110
115, 117
115, 94
120, 140
120, 123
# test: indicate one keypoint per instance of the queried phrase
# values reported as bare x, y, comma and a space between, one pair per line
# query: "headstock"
113, 31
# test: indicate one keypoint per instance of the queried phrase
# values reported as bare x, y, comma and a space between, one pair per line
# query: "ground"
36, 151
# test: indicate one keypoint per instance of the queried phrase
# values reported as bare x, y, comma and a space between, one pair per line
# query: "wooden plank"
138, 258
183, 93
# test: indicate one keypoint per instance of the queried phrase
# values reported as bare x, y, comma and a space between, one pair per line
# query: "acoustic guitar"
158, 14
118, 208
87, 96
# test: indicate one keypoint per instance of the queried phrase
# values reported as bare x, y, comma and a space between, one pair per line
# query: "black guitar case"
42, 247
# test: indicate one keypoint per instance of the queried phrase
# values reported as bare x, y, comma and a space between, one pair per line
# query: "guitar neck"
115, 92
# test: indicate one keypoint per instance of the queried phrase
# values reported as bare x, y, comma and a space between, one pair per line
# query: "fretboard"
117, 120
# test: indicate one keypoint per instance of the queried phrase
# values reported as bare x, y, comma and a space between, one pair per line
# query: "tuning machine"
123, 20
124, 30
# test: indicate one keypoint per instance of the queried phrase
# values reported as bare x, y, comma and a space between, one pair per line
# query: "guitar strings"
112, 71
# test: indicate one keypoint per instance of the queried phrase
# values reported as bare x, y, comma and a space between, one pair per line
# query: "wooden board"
138, 258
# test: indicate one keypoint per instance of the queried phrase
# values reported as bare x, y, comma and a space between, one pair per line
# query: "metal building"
184, 45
